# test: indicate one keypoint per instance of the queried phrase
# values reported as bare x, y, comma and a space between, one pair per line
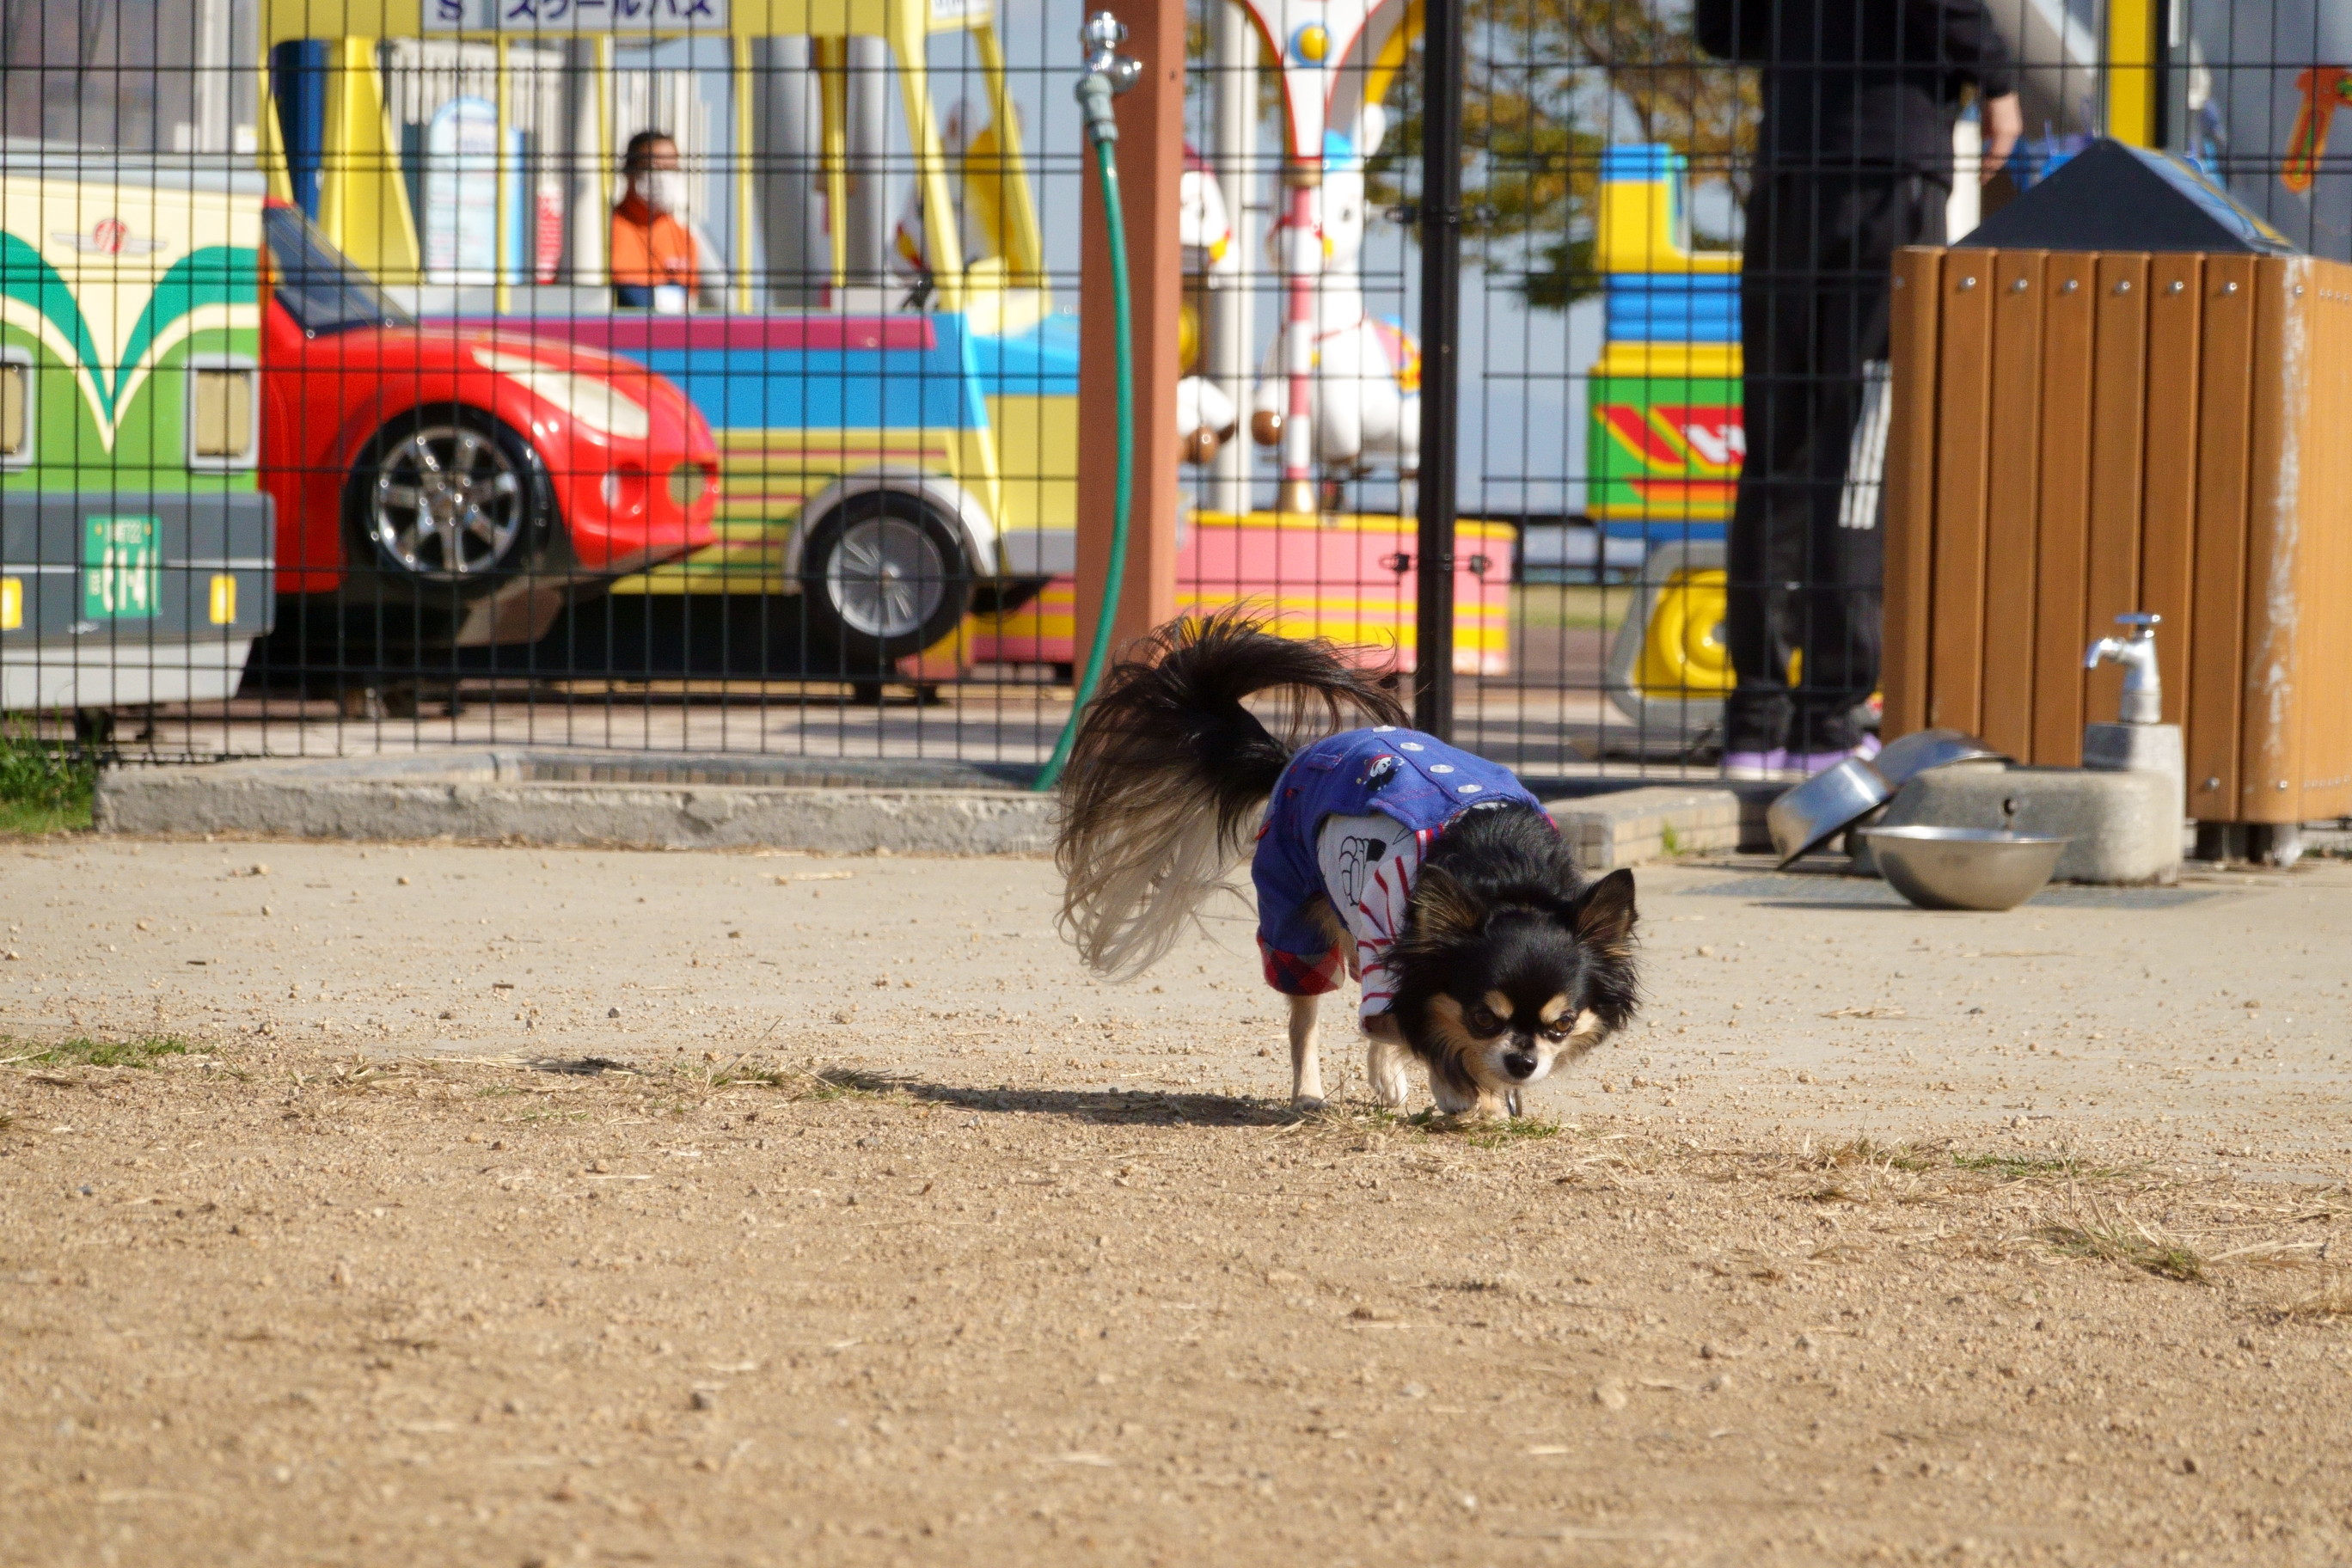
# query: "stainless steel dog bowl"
1814, 812
1964, 868
1899, 762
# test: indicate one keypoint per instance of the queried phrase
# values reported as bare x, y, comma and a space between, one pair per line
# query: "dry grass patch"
2330, 1303
2134, 1249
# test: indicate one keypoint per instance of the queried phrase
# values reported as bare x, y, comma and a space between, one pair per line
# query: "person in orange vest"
656, 258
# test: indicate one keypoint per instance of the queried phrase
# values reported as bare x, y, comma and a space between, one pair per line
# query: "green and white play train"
135, 547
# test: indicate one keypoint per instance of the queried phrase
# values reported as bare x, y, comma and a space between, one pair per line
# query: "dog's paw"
1305, 1103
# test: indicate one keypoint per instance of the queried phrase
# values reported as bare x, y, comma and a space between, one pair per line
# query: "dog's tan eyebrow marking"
1553, 1009
1498, 1005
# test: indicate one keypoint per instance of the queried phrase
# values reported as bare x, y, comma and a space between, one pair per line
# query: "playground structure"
895, 404
2324, 90
1334, 391
1665, 436
1665, 440
862, 418
134, 546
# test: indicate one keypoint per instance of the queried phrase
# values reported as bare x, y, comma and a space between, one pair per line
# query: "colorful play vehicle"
1664, 446
134, 546
893, 394
454, 487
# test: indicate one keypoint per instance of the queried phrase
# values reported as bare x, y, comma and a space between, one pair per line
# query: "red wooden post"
1151, 165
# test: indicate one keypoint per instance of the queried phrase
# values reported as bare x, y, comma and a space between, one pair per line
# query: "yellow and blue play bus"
893, 387
894, 393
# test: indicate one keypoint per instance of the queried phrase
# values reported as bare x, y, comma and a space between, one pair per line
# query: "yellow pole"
2132, 85
833, 82
746, 192
603, 184
1025, 244
941, 235
503, 289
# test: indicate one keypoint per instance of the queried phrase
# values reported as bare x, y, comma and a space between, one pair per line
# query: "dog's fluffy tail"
1168, 766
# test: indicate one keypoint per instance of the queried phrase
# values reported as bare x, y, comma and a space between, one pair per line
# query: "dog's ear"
1442, 908
1602, 915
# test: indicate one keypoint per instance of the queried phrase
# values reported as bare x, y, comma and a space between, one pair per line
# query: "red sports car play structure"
447, 485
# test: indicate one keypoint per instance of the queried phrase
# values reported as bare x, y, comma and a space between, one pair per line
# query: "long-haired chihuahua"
1430, 875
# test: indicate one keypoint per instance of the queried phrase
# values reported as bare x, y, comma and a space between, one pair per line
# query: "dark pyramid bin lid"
2113, 197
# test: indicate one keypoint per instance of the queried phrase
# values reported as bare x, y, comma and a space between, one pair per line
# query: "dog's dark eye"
1554, 1033
1484, 1022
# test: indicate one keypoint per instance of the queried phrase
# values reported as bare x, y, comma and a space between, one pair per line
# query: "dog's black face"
1509, 963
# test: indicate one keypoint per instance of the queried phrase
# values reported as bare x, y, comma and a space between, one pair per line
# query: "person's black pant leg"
1805, 553
1764, 551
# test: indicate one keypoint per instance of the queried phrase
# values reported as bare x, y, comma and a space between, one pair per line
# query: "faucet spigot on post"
1108, 74
2143, 700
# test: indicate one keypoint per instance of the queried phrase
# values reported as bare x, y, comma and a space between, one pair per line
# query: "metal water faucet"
1108, 73
2143, 700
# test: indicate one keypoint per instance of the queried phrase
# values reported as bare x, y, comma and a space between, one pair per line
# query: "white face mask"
664, 190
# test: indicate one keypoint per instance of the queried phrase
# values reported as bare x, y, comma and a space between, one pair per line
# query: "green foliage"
2022, 1167
45, 787
110, 1053
1559, 272
1484, 1131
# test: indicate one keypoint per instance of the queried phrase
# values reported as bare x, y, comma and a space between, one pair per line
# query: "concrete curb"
827, 806
451, 801
1636, 826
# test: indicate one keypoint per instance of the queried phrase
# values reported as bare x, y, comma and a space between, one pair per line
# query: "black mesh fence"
627, 376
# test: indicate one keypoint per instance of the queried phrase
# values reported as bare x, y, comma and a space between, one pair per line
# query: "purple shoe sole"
1751, 765
1811, 763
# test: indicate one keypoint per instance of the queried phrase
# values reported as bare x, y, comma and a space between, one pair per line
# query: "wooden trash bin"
2075, 434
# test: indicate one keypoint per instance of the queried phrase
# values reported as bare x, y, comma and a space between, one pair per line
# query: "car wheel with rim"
449, 498
885, 576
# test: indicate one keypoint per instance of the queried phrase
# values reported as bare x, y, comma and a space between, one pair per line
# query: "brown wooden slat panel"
1910, 490
2327, 552
1956, 638
2269, 734
2119, 371
2168, 531
2069, 336
2215, 654
2011, 501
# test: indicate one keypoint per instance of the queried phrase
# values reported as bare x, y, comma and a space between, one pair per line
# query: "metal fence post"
1441, 326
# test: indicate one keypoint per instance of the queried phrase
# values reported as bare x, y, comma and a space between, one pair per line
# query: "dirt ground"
368, 1205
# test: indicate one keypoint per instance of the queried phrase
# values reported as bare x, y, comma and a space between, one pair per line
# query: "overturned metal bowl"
1964, 868
1816, 811
1901, 761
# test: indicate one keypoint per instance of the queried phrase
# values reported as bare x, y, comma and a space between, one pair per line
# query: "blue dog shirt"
1326, 834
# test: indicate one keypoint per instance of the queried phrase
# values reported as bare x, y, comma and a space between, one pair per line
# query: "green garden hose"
1095, 91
